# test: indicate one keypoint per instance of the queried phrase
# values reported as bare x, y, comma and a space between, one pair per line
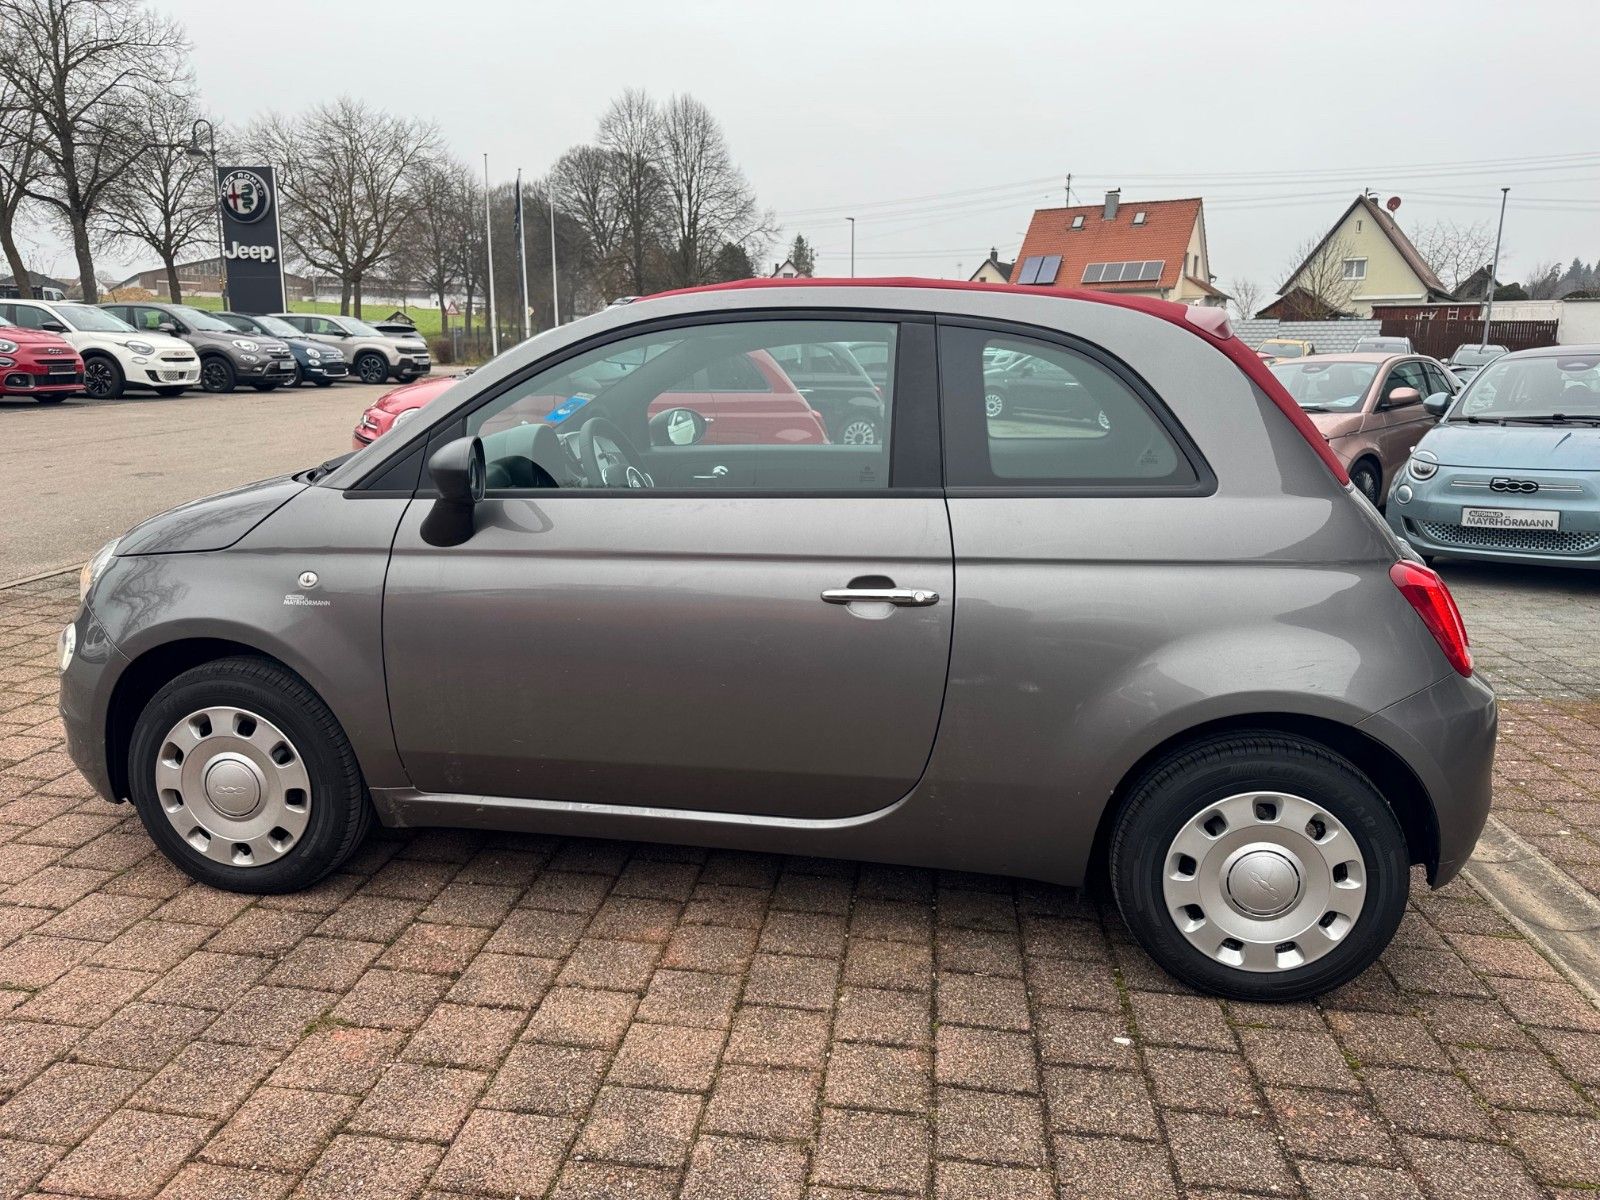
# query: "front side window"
25, 315
704, 408
1021, 412
1406, 375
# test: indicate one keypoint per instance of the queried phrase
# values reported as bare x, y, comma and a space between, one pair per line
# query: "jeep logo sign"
252, 245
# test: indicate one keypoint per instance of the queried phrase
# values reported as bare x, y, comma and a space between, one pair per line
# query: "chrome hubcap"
1264, 881
860, 433
993, 405
233, 786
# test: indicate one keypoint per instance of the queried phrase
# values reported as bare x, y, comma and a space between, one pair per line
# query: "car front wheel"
244, 779
994, 404
102, 378
1259, 866
373, 368
1365, 476
217, 374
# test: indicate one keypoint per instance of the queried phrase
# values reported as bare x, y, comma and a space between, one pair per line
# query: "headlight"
249, 358
1423, 465
243, 344
312, 354
7, 347
67, 646
8, 362
94, 567
140, 347
404, 417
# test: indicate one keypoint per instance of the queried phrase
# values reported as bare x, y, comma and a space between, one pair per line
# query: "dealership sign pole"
252, 240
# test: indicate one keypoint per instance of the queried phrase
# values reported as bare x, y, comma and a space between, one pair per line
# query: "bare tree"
344, 174
432, 247
630, 134
1454, 251
1318, 275
1246, 296
84, 68
712, 203
1544, 280
17, 176
583, 184
165, 199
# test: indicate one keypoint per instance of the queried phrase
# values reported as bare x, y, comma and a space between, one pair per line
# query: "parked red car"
750, 402
37, 363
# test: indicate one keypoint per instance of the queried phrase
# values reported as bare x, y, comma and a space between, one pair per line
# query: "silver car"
1175, 645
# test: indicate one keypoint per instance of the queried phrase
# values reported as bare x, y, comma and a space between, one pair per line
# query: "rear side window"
1028, 413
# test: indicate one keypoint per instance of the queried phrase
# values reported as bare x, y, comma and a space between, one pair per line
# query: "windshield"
195, 319
1282, 349
1471, 356
359, 328
1545, 389
278, 327
235, 321
85, 319
1326, 386
1381, 346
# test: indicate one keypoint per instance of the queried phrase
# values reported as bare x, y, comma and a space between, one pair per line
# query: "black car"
838, 388
1017, 384
314, 362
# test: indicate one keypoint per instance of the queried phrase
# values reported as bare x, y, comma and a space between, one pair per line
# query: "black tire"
322, 383
102, 377
1179, 787
217, 374
372, 367
340, 809
1368, 480
297, 378
170, 392
49, 399
265, 387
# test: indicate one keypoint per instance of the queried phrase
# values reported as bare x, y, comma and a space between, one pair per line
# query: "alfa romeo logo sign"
245, 195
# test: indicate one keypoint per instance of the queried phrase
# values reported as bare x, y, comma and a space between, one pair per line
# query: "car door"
1399, 427
769, 638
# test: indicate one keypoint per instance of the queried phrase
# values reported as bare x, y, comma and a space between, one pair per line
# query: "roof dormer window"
1077, 221
1138, 217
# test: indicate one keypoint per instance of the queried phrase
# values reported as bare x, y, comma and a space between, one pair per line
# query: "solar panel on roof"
1132, 271
1092, 273
1152, 270
1049, 268
1030, 269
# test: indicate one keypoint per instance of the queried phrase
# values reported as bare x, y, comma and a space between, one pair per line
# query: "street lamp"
209, 151
852, 221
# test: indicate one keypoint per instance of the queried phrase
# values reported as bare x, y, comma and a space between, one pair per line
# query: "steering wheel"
607, 458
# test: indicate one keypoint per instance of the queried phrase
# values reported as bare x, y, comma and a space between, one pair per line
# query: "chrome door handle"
905, 597
717, 472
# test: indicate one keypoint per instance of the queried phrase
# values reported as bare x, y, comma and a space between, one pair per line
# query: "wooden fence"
1439, 336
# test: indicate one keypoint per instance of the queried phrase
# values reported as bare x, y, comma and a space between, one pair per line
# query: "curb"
50, 574
1542, 902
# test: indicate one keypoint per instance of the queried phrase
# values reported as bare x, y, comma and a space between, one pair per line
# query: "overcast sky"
942, 125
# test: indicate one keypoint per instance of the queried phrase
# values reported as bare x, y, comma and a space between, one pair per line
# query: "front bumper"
87, 681
1429, 515
1446, 735
271, 370
336, 369
41, 375
413, 366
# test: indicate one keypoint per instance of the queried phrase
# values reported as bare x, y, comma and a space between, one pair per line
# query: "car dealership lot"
76, 474
496, 1015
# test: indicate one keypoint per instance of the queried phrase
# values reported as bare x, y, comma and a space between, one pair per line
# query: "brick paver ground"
460, 1015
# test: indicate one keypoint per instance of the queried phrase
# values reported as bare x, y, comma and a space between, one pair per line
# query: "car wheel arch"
1368, 458
1389, 773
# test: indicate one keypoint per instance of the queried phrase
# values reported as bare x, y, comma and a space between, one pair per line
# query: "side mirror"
677, 427
167, 327
1401, 397
1437, 403
54, 327
457, 470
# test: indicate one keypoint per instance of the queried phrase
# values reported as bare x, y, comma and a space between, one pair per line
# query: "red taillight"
1426, 592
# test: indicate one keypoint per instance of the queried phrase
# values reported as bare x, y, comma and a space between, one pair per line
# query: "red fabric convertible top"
1206, 323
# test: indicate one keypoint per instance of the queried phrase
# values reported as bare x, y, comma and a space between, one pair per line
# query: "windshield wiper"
1313, 408
1558, 419
1471, 420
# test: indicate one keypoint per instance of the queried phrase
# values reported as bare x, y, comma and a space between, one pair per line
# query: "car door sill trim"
403, 808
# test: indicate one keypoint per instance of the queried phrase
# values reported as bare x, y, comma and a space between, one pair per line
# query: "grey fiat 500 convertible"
1171, 643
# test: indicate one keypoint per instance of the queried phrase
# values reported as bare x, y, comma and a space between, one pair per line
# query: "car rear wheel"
373, 368
1259, 866
217, 374
102, 378
994, 404
170, 391
322, 383
296, 379
244, 779
264, 387
49, 399
1368, 481
859, 432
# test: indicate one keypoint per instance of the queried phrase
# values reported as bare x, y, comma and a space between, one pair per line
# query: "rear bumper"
1446, 735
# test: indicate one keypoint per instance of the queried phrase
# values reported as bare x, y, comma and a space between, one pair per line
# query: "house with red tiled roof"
1151, 248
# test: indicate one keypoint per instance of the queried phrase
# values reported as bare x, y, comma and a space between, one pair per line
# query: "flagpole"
522, 258
488, 242
555, 294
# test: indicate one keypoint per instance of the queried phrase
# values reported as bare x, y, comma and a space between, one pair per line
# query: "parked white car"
115, 354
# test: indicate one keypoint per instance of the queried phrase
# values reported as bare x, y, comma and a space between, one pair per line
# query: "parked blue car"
1512, 471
